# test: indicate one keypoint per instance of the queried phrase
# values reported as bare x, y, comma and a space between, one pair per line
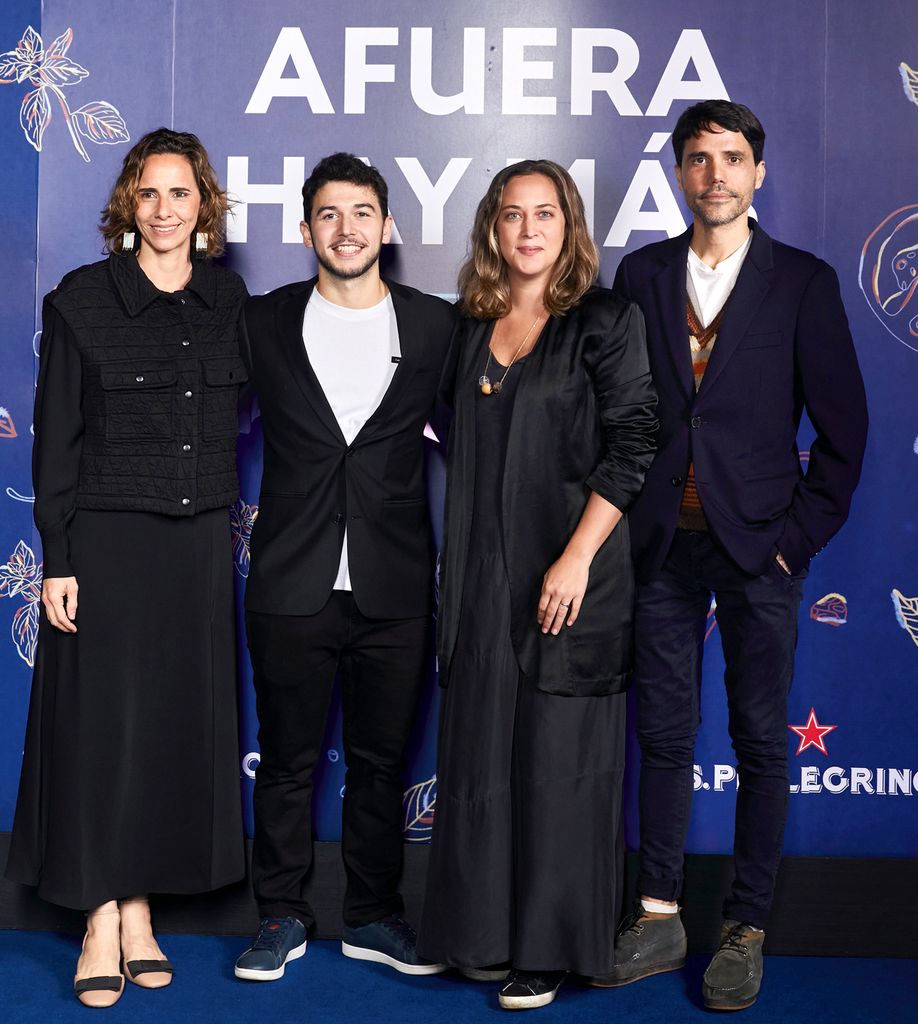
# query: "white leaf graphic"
100, 122
906, 613
35, 116
61, 45
420, 805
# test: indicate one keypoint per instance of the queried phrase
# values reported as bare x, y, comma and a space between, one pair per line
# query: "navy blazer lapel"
670, 295
748, 293
289, 316
410, 342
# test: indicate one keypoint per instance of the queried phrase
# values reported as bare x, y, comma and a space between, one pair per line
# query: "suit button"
186, 447
186, 501
139, 379
339, 519
185, 343
696, 422
188, 394
676, 481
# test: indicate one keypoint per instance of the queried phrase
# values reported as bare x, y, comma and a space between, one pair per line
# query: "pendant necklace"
489, 387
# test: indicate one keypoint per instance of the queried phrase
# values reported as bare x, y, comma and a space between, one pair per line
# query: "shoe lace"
632, 923
399, 928
735, 940
272, 933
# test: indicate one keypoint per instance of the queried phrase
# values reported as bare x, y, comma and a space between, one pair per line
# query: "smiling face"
719, 176
346, 229
530, 226
168, 204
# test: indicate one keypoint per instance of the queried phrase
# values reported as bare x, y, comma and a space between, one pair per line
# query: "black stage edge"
825, 906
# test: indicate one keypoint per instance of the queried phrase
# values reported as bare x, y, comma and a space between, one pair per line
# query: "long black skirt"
527, 846
130, 779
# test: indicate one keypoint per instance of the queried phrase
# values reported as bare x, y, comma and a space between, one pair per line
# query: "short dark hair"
349, 168
733, 117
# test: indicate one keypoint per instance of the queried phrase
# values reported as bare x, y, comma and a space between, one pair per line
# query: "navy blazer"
315, 484
783, 345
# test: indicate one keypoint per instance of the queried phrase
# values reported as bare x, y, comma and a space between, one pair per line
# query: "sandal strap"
111, 983
149, 967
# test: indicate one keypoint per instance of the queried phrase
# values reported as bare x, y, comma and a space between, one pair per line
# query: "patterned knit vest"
701, 340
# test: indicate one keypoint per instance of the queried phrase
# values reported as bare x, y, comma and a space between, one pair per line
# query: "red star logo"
811, 734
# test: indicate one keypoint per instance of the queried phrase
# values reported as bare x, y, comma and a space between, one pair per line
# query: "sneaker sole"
527, 1002
374, 956
728, 1009
249, 974
673, 965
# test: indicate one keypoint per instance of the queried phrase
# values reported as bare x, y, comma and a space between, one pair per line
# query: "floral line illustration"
420, 802
906, 613
909, 82
7, 427
51, 71
21, 577
16, 496
242, 519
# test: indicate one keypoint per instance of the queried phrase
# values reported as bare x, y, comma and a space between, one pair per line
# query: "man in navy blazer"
346, 369
744, 333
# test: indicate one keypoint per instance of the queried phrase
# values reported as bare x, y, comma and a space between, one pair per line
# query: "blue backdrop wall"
439, 100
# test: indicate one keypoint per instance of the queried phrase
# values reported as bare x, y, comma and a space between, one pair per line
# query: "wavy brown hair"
118, 215
484, 286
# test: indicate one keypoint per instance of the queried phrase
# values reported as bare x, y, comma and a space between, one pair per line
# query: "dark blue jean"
757, 620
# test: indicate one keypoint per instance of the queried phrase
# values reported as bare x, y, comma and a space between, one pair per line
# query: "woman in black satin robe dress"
553, 430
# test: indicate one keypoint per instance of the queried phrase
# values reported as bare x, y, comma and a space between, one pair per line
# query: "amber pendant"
484, 383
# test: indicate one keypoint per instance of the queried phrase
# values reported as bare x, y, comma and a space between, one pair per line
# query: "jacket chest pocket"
139, 403
223, 377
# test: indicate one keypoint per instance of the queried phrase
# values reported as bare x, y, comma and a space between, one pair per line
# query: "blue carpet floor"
36, 971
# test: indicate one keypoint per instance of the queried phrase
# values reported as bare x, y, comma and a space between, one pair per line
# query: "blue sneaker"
390, 941
279, 940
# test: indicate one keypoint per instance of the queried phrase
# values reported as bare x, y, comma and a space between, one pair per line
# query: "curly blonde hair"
118, 215
484, 287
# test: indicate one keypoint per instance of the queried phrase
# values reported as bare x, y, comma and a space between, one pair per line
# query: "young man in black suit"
346, 368
743, 333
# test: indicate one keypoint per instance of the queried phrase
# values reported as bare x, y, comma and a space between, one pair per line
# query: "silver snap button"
186, 501
186, 447
188, 394
139, 379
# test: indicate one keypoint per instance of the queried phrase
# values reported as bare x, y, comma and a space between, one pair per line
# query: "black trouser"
382, 664
757, 621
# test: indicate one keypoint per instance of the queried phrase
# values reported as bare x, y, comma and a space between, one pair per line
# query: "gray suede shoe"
647, 944
734, 976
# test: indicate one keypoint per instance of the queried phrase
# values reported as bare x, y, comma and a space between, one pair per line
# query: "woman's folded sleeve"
616, 357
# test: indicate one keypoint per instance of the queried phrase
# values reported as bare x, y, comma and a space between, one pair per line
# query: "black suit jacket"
582, 421
783, 345
314, 484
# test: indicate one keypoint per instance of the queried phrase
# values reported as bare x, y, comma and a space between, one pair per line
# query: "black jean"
382, 665
757, 620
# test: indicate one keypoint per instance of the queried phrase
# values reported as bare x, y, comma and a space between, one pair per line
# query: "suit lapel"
290, 315
410, 341
750, 289
669, 292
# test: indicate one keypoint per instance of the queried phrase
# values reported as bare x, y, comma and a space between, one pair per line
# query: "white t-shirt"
709, 288
354, 353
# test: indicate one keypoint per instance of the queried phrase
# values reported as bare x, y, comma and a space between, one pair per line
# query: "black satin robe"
583, 421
